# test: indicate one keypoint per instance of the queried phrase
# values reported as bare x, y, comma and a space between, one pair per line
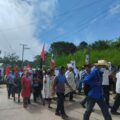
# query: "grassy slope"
112, 55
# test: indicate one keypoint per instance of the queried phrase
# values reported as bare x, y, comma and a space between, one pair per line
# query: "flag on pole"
52, 62
42, 56
7, 70
15, 68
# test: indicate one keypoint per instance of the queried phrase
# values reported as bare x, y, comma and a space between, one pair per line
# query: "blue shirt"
94, 80
84, 74
60, 86
10, 79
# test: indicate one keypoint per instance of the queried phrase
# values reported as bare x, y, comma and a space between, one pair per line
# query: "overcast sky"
35, 22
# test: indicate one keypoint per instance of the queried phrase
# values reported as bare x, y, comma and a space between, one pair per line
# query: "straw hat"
101, 63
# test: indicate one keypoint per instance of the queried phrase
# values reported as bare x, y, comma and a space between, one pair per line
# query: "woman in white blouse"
48, 81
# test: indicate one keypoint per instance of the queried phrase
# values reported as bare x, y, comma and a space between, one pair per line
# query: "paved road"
10, 110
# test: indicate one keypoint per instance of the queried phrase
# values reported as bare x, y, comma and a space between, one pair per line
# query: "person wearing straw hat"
95, 94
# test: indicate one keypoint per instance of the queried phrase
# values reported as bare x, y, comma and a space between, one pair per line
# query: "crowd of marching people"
97, 82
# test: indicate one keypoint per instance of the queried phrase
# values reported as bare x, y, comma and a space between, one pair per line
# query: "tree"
61, 48
11, 58
116, 44
83, 45
101, 44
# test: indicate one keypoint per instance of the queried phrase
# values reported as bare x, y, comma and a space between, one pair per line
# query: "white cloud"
18, 24
114, 9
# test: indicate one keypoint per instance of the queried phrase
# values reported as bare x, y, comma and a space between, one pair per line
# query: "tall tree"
60, 48
83, 45
101, 44
11, 58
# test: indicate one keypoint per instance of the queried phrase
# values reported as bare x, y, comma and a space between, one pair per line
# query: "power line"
69, 15
84, 24
75, 9
31, 23
66, 13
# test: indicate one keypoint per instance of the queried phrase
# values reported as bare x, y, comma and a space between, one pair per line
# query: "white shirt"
48, 86
118, 82
71, 79
56, 72
66, 74
76, 71
105, 77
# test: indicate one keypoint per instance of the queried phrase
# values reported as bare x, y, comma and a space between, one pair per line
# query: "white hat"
101, 63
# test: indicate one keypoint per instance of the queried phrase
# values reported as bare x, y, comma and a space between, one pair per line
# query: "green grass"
112, 55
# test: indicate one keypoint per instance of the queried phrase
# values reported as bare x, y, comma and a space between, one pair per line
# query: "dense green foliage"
111, 54
62, 48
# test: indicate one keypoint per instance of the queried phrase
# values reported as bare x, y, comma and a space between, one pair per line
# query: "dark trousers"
112, 85
84, 101
60, 103
106, 93
71, 96
90, 104
40, 95
35, 93
29, 101
116, 104
10, 90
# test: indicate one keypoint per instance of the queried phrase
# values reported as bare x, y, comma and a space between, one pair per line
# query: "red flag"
28, 66
7, 70
15, 69
43, 54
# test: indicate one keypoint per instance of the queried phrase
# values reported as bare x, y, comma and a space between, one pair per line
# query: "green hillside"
112, 55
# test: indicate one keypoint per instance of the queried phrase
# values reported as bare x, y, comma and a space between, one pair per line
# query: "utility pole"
23, 50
